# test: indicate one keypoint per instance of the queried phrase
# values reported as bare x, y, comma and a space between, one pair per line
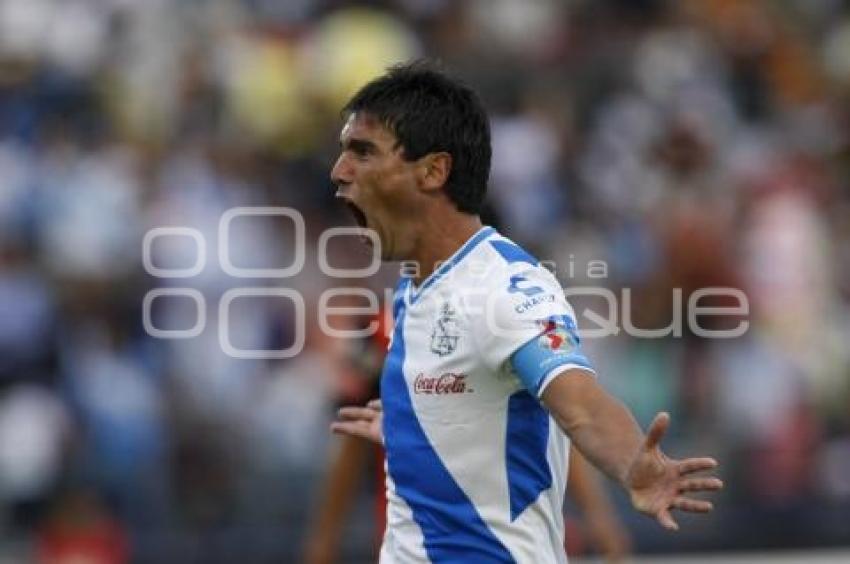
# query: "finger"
683, 503
700, 484
375, 404
357, 413
353, 428
657, 429
351, 412
667, 520
696, 465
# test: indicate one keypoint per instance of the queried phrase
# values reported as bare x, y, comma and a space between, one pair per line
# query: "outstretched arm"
605, 432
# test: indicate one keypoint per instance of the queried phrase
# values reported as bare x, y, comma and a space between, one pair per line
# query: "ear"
434, 170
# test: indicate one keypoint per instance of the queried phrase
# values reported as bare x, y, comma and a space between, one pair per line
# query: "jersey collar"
414, 294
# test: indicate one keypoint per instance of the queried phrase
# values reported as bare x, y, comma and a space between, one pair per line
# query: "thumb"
667, 520
657, 429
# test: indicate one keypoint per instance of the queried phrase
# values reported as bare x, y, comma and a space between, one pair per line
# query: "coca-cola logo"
446, 383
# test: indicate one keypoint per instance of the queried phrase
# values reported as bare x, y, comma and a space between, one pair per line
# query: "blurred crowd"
692, 144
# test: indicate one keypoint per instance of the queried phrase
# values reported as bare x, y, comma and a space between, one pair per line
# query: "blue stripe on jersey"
558, 344
513, 253
398, 296
525, 451
459, 255
451, 526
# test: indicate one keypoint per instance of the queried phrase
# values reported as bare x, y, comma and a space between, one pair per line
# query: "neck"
440, 238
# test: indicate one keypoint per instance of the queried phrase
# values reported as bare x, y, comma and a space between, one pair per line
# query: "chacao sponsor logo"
534, 302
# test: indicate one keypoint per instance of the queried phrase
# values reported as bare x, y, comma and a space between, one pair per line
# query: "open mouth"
357, 213
359, 216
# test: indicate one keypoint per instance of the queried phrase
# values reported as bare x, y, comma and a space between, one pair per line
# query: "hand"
656, 483
364, 422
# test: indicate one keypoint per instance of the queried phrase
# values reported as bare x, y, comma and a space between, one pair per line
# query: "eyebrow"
358, 145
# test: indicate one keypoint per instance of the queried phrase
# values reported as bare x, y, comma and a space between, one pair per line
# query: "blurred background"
687, 144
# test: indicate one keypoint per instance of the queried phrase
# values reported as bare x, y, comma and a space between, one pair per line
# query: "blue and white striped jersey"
476, 467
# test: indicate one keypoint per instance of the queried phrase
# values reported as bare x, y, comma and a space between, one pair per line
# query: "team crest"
445, 334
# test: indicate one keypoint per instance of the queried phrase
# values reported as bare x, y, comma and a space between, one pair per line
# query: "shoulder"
510, 269
510, 281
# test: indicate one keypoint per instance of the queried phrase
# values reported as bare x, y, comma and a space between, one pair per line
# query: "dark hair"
429, 112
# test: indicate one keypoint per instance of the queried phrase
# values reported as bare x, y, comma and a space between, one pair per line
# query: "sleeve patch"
557, 345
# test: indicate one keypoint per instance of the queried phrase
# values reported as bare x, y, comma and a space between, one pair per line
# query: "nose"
342, 173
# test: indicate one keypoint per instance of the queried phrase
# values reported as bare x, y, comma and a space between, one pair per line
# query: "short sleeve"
529, 328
